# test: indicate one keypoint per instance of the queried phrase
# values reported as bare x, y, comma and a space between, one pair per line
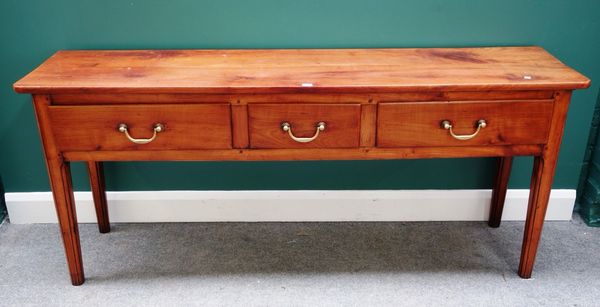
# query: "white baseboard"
255, 206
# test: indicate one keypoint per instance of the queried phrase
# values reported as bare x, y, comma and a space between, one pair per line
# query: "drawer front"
421, 124
341, 123
86, 128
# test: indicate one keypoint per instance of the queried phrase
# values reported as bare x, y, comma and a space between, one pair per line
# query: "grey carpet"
302, 264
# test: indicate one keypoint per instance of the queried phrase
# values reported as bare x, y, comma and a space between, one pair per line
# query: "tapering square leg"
544, 167
499, 191
59, 172
62, 190
97, 186
539, 195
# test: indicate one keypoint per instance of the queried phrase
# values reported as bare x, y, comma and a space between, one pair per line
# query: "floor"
302, 264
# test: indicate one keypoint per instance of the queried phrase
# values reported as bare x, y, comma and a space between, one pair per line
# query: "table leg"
541, 185
96, 174
62, 190
499, 191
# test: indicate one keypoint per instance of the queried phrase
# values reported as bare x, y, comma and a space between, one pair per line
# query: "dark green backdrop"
32, 30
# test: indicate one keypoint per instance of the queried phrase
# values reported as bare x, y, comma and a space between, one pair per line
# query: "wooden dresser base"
259, 105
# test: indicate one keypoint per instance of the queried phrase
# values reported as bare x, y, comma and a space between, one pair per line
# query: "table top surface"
300, 71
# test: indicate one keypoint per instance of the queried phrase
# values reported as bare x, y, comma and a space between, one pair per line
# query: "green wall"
31, 31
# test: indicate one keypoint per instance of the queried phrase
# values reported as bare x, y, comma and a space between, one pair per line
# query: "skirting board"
289, 206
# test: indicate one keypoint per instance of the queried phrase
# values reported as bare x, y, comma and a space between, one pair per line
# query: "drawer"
421, 124
83, 128
340, 129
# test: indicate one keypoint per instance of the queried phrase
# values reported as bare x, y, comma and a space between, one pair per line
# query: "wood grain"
187, 126
419, 124
362, 98
342, 125
307, 154
300, 71
239, 126
368, 125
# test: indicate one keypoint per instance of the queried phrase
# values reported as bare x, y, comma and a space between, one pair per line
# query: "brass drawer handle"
157, 128
285, 126
446, 124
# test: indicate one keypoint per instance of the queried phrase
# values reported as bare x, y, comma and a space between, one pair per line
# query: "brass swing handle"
446, 124
157, 128
285, 126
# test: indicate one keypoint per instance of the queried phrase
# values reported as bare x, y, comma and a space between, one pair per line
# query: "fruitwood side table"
356, 104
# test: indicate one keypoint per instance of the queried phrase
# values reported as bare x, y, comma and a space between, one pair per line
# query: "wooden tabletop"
300, 70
